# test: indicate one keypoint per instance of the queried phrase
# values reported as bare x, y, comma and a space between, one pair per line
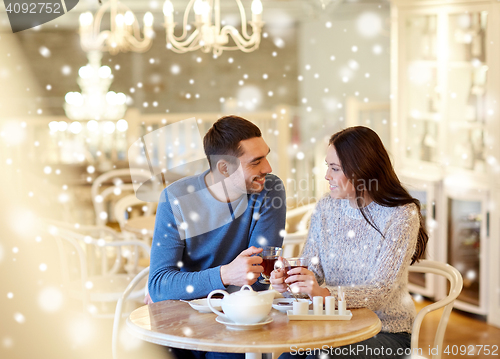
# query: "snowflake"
18, 317
262, 241
189, 289
351, 234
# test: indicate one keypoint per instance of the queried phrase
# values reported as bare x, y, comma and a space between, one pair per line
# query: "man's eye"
255, 163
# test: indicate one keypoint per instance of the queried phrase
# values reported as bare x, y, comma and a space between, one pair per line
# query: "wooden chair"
297, 228
125, 181
97, 264
297, 219
122, 212
139, 279
456, 284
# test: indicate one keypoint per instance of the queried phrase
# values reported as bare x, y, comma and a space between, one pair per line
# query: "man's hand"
244, 269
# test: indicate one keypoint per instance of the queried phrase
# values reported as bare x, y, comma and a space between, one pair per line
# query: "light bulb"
62, 126
129, 18
201, 7
54, 125
104, 72
92, 125
86, 19
111, 98
109, 127
256, 7
168, 8
122, 125
148, 19
119, 20
120, 98
75, 127
85, 72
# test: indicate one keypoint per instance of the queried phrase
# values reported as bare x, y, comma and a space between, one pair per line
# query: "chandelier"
124, 34
95, 102
209, 36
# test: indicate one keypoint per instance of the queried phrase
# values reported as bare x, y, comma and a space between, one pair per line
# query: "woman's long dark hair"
366, 163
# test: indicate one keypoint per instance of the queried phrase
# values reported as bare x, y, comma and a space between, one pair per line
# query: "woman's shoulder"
405, 213
328, 204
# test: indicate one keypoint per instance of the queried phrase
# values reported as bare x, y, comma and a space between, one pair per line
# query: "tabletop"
143, 225
176, 324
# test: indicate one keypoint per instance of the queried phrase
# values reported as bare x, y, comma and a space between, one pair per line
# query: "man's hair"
223, 138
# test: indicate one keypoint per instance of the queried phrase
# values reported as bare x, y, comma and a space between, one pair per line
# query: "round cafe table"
175, 324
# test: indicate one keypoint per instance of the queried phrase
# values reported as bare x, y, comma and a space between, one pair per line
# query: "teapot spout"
268, 295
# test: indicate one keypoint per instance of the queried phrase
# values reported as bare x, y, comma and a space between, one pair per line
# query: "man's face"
254, 163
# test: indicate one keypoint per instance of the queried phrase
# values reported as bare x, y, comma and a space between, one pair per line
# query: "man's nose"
267, 167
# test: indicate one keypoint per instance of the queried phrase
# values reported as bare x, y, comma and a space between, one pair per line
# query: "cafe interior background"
425, 75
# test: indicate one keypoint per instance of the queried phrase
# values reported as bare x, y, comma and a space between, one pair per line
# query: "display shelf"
445, 117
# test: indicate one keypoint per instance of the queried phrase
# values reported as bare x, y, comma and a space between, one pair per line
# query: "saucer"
286, 304
201, 305
235, 326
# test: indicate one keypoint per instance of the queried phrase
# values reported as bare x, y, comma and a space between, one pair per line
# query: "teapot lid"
245, 293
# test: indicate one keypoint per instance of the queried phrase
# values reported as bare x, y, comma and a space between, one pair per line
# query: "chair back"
293, 243
97, 264
456, 284
125, 181
123, 204
119, 308
297, 219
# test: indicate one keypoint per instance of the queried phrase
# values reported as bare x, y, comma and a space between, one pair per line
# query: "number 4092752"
33, 8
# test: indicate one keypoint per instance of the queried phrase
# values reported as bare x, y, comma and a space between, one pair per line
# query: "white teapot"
244, 306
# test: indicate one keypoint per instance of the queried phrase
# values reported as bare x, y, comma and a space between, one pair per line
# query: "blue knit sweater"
195, 235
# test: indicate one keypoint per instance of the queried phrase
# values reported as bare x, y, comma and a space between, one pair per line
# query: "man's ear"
223, 168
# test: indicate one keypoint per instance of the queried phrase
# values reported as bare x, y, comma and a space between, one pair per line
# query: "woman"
363, 237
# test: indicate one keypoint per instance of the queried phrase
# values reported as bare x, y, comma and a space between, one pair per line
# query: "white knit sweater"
372, 270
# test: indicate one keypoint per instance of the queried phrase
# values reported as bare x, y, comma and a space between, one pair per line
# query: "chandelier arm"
138, 45
100, 40
184, 22
196, 34
183, 50
170, 35
216, 7
243, 19
242, 43
98, 18
230, 30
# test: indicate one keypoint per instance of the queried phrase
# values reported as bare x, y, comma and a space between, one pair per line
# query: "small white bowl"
201, 305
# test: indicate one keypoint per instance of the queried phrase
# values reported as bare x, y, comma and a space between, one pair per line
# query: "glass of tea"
269, 256
290, 263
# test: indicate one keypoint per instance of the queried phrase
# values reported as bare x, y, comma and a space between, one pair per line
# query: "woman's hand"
302, 280
277, 280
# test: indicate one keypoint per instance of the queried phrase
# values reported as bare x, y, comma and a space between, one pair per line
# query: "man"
210, 227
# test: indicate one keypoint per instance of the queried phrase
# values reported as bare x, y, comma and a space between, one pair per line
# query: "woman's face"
340, 186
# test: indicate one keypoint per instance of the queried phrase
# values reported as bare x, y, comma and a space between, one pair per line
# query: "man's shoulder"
184, 186
273, 184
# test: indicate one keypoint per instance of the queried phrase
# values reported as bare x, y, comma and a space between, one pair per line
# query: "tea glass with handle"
269, 257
